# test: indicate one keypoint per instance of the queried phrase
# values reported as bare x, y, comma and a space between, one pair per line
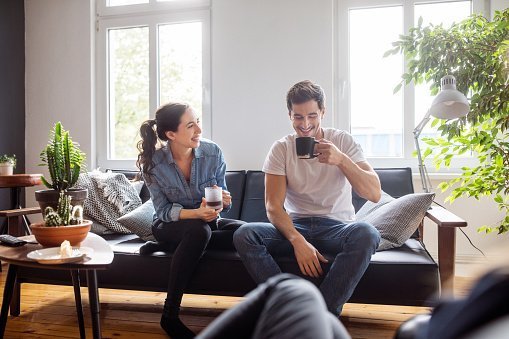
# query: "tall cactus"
63, 158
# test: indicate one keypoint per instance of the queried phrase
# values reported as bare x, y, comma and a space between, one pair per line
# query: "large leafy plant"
475, 51
63, 158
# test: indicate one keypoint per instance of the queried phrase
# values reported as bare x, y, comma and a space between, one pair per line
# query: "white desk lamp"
448, 104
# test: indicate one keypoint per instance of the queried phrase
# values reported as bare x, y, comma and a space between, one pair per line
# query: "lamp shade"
449, 103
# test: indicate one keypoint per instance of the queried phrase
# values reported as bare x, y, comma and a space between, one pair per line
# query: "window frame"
152, 15
342, 83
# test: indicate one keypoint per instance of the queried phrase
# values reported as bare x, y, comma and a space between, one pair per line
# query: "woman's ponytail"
147, 147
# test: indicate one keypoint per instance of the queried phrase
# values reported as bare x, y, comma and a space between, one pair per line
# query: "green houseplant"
475, 51
61, 203
7, 164
65, 222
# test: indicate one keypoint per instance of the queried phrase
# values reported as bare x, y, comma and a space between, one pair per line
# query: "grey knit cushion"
369, 207
396, 219
139, 221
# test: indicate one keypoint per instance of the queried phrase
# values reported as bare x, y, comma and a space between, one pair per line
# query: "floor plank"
49, 312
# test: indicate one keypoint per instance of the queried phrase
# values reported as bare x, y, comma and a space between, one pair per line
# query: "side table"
100, 259
16, 182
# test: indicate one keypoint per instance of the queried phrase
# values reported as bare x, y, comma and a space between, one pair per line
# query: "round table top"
101, 257
20, 180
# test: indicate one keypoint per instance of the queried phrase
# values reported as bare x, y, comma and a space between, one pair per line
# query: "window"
379, 119
148, 53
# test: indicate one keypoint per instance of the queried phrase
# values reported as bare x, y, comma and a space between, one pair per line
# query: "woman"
177, 165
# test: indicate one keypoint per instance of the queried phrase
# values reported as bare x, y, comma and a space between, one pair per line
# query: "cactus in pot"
65, 214
64, 161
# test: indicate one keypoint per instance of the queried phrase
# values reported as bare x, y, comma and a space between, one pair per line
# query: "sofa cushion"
139, 221
396, 219
253, 205
235, 183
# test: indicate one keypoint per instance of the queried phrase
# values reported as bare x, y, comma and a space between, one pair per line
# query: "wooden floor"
49, 312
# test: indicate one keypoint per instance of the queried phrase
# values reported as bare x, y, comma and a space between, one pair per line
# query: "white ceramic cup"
214, 197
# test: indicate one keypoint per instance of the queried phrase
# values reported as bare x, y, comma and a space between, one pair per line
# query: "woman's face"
188, 133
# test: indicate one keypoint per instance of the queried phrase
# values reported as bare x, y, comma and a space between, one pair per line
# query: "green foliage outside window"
476, 52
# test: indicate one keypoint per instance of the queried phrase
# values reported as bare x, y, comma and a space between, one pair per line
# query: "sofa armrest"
444, 218
447, 223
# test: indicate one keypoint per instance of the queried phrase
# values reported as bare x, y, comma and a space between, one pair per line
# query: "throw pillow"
100, 229
137, 185
398, 219
370, 207
110, 195
139, 221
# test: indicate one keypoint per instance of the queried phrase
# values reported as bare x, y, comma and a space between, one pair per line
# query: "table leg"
75, 274
16, 299
93, 296
9, 285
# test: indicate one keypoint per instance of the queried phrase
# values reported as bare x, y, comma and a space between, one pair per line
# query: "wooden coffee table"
100, 259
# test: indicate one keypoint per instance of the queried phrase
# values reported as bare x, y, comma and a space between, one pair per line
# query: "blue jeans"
351, 246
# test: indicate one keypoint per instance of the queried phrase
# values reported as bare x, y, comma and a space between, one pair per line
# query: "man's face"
306, 119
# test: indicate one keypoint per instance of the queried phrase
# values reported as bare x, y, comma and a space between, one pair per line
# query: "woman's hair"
304, 91
167, 119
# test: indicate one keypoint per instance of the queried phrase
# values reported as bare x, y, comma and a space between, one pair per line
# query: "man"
309, 204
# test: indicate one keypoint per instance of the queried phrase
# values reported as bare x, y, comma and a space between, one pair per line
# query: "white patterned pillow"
139, 221
110, 195
398, 219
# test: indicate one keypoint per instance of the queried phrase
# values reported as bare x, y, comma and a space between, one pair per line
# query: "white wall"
59, 75
259, 49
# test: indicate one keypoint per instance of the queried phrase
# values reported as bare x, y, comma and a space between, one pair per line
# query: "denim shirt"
169, 190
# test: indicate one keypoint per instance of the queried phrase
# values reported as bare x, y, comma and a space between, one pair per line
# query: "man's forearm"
284, 224
365, 183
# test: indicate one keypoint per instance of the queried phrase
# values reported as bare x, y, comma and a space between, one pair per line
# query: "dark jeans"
283, 307
188, 239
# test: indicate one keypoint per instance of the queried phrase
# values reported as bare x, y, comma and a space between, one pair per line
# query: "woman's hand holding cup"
227, 198
205, 213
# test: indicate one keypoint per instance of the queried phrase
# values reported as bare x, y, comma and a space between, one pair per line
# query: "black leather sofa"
403, 276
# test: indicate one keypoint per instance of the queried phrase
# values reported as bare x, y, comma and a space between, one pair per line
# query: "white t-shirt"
313, 188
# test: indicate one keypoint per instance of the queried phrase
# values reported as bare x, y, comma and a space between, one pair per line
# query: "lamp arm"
423, 172
418, 129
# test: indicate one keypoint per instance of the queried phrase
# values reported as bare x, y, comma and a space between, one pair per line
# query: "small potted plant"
65, 222
65, 161
7, 164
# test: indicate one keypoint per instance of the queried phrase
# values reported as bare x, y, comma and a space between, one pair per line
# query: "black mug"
305, 147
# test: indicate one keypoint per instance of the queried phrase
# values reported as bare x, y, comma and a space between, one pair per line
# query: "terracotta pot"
54, 236
47, 198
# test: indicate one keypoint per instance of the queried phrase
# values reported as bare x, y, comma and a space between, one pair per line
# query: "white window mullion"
409, 122
153, 69
207, 113
342, 112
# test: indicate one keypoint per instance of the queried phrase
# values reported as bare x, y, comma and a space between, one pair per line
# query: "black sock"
150, 247
176, 328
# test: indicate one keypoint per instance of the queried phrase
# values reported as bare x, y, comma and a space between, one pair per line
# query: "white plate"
51, 256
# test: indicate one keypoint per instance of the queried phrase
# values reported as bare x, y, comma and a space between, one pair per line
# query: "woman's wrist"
189, 214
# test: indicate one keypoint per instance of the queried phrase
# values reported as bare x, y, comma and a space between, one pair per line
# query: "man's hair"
304, 91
